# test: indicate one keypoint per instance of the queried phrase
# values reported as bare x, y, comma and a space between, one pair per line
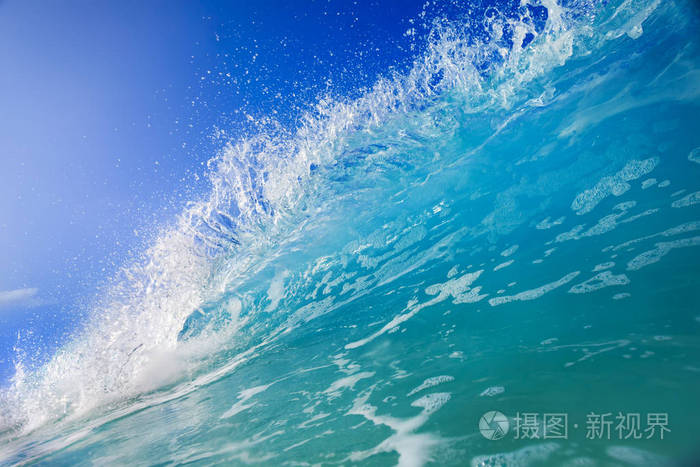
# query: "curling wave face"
499, 149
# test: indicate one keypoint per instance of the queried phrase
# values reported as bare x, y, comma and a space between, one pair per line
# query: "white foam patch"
664, 183
534, 293
243, 397
235, 452
581, 462
688, 200
679, 229
590, 350
648, 183
614, 185
452, 272
605, 224
546, 223
431, 382
600, 281
505, 264
636, 456
348, 382
344, 365
510, 250
522, 457
454, 287
492, 391
275, 293
413, 448
621, 296
603, 266
694, 155
458, 288
626, 206
631, 25
472, 296
432, 402
296, 445
661, 250
573, 234
310, 422
648, 212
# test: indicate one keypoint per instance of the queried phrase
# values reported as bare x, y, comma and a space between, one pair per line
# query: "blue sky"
107, 115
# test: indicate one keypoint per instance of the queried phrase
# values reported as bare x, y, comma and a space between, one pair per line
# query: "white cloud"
19, 298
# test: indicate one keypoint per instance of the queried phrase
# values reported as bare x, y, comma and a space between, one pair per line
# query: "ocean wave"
195, 292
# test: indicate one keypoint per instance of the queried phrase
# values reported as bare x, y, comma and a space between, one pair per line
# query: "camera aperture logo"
494, 425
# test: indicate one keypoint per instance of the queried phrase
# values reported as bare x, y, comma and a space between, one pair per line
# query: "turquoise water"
500, 228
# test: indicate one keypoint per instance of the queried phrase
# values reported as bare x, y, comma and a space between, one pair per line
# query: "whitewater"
511, 223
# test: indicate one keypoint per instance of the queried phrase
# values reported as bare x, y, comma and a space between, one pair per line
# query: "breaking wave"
208, 293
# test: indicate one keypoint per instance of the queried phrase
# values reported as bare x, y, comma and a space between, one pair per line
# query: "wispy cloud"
25, 298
